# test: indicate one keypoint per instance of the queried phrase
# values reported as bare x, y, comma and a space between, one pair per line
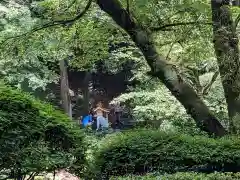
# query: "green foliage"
19, 56
152, 104
34, 136
179, 43
215, 100
155, 151
185, 176
82, 42
91, 143
157, 105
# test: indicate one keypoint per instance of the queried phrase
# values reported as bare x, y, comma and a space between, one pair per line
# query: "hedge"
184, 176
35, 137
150, 151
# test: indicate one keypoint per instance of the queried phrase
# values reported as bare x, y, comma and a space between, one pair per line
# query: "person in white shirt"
102, 122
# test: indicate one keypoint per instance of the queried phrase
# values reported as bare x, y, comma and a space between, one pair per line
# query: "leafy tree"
44, 46
163, 70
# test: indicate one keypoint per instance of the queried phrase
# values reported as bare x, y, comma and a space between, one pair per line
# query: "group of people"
99, 116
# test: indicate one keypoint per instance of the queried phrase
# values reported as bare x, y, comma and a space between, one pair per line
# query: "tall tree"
227, 52
65, 92
167, 73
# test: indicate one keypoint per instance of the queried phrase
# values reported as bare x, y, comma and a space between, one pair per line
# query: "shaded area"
100, 86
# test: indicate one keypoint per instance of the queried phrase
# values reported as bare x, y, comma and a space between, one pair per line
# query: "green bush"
35, 137
149, 151
185, 176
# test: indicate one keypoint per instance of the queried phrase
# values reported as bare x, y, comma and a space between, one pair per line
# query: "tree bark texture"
65, 95
167, 73
227, 52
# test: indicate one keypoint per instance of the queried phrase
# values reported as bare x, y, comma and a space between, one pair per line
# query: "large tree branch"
164, 27
68, 21
167, 73
51, 24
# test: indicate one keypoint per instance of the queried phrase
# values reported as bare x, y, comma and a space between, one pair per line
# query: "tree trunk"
160, 68
226, 49
86, 95
65, 95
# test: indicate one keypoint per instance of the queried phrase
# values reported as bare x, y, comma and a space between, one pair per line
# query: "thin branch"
237, 20
164, 27
64, 22
68, 7
71, 4
128, 7
31, 176
178, 41
168, 18
209, 85
54, 23
170, 49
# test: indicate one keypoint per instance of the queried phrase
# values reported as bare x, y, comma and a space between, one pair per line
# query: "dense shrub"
185, 176
35, 137
149, 151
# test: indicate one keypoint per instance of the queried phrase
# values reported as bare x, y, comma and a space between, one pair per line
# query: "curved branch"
161, 28
54, 23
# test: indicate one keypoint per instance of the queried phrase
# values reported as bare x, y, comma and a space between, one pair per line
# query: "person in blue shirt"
87, 120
